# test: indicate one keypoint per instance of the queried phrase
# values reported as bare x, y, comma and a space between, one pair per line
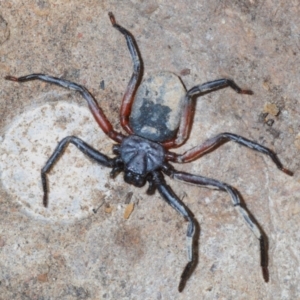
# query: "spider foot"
11, 78
265, 273
45, 201
112, 18
188, 270
286, 171
247, 92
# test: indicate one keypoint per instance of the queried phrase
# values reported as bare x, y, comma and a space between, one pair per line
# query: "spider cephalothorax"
140, 157
157, 119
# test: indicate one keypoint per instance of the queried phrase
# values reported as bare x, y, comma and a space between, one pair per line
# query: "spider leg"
188, 108
92, 103
220, 139
135, 78
83, 147
172, 199
236, 200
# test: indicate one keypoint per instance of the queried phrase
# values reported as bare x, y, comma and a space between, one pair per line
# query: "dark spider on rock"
157, 115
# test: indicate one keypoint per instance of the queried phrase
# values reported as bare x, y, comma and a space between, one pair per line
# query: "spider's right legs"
93, 105
135, 78
187, 113
215, 184
83, 147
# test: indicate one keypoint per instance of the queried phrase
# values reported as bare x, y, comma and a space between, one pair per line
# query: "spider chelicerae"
155, 123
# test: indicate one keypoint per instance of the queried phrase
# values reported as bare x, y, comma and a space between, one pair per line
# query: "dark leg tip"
181, 286
188, 270
288, 172
45, 201
11, 78
112, 18
247, 92
265, 273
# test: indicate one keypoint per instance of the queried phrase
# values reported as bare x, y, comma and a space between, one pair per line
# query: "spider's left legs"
218, 140
188, 108
172, 199
236, 200
135, 78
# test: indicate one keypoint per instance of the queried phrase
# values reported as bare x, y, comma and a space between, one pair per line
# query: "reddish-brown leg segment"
220, 139
93, 105
188, 112
135, 78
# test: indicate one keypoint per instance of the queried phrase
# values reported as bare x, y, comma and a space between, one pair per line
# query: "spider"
154, 126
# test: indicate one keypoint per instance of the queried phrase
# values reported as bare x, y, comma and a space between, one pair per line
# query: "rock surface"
102, 255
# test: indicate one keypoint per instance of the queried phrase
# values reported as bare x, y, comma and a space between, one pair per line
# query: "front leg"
171, 198
237, 203
83, 147
135, 77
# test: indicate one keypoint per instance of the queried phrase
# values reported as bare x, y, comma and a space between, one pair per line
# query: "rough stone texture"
103, 255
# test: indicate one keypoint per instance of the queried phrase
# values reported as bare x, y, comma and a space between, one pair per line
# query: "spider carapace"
155, 122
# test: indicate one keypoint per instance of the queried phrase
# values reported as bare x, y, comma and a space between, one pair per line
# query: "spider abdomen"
157, 107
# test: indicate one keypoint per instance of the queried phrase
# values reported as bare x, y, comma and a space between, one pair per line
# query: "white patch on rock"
76, 184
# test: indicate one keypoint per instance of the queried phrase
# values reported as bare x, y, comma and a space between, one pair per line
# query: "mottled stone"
102, 255
157, 107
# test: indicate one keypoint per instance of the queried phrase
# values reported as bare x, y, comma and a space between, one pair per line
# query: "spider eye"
134, 179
